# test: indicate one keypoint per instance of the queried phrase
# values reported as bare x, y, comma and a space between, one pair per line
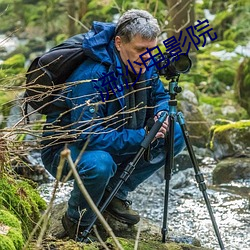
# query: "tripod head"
171, 68
174, 89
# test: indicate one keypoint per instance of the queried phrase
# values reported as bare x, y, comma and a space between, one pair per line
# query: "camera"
174, 65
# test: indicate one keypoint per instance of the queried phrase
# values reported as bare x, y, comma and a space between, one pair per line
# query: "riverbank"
188, 215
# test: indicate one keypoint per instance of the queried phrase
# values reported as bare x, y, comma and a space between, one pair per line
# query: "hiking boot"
75, 231
121, 211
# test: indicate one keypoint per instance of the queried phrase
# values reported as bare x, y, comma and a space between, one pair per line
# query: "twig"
99, 238
45, 217
77, 21
66, 154
137, 236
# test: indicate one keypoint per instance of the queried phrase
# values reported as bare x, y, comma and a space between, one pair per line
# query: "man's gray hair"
137, 22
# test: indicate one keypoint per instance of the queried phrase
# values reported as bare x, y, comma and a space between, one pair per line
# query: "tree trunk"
83, 7
72, 13
181, 16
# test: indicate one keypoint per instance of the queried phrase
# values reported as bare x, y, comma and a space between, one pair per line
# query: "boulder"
150, 235
197, 125
231, 169
231, 139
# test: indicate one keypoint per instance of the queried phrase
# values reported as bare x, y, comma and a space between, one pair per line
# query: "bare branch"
66, 154
79, 22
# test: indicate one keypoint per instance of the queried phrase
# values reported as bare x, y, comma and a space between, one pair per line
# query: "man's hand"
164, 128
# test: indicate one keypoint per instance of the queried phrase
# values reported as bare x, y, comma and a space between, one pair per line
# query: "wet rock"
181, 179
232, 139
197, 125
231, 169
150, 234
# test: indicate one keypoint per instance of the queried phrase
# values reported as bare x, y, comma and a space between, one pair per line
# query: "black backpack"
48, 73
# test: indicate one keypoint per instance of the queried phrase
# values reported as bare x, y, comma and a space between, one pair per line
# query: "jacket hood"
98, 43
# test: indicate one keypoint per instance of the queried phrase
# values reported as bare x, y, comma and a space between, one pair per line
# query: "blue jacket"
102, 123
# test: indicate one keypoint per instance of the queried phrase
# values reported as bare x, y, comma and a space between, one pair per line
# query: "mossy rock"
128, 244
150, 235
22, 200
232, 139
231, 169
219, 107
10, 231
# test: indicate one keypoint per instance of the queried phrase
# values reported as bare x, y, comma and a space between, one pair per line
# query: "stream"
187, 212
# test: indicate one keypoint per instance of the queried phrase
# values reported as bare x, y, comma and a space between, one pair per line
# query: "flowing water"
187, 212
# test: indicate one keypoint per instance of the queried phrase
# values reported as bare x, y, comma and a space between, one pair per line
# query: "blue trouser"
99, 171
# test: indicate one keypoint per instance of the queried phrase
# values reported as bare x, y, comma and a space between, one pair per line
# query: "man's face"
132, 51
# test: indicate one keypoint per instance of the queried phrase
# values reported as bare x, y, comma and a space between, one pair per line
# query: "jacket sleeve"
88, 121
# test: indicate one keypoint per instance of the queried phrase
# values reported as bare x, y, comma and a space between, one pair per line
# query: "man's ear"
118, 43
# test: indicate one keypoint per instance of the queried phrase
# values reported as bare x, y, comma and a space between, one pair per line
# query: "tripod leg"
129, 168
199, 177
168, 173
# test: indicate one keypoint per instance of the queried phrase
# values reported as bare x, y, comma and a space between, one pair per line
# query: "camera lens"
183, 64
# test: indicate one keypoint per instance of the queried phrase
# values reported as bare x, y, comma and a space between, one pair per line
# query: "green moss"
9, 219
16, 61
13, 239
225, 75
236, 125
228, 45
212, 100
128, 244
22, 200
16, 237
219, 102
239, 128
13, 71
6, 243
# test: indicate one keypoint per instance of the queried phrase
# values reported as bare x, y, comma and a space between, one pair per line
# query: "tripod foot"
164, 232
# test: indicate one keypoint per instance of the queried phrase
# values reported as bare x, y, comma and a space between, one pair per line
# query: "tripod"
173, 90
129, 168
169, 163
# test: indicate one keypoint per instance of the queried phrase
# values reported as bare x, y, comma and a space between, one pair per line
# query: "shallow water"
188, 215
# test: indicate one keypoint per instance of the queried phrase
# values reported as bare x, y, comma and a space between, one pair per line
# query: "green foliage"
228, 45
214, 101
224, 75
222, 22
219, 102
231, 19
242, 84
